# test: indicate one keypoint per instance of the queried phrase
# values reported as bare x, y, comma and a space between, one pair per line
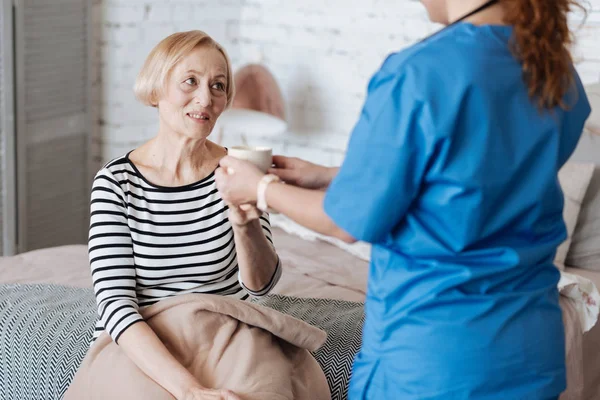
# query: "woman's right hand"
198, 393
302, 173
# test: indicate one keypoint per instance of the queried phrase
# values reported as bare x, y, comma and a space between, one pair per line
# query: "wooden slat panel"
2, 132
55, 55
54, 82
2, 149
57, 202
7, 150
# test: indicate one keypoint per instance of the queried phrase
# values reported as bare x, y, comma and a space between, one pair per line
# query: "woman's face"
437, 10
195, 93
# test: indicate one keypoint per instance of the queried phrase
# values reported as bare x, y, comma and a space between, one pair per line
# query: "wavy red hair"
542, 42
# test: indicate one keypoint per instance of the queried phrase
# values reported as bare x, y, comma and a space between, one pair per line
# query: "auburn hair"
542, 42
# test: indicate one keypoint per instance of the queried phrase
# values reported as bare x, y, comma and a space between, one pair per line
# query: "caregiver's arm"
304, 206
302, 173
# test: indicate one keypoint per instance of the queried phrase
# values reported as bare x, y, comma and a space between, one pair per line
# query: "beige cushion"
593, 122
574, 179
584, 251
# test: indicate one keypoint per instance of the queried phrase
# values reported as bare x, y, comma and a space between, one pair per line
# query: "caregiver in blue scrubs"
451, 174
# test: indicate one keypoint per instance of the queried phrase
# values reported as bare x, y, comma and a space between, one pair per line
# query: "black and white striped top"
149, 242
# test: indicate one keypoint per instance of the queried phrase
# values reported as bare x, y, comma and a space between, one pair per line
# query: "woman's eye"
219, 86
190, 81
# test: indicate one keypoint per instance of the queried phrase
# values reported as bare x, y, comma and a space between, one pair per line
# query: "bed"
47, 312
329, 279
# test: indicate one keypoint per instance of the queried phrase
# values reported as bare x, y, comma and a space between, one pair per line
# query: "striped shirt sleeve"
266, 227
111, 256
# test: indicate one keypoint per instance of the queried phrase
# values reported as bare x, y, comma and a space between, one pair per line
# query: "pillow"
585, 244
593, 122
359, 249
574, 179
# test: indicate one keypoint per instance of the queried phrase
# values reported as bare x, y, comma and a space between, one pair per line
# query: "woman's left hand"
237, 181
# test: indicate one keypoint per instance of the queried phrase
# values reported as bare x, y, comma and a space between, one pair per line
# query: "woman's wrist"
188, 386
246, 225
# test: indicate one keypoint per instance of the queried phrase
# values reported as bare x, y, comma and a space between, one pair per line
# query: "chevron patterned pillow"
343, 322
45, 332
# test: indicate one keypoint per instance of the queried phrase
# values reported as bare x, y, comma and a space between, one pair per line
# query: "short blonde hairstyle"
164, 57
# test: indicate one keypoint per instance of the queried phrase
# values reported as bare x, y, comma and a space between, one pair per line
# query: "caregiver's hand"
210, 394
237, 181
302, 173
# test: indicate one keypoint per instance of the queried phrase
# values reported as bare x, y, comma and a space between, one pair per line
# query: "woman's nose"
203, 97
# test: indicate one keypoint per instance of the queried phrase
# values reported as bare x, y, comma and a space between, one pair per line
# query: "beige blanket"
255, 351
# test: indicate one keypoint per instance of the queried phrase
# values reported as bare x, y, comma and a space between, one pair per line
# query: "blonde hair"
162, 59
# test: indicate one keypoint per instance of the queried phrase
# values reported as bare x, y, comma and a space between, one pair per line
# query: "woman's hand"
198, 393
302, 173
237, 181
243, 214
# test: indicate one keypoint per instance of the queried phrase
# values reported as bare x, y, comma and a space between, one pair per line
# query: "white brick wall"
322, 53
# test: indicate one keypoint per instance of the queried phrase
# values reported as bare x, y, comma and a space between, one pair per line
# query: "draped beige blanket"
257, 352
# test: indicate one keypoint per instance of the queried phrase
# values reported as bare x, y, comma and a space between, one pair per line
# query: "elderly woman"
159, 227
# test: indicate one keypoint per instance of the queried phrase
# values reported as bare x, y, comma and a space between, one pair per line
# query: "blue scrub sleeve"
385, 161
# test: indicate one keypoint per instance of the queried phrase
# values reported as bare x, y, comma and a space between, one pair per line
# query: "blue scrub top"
451, 174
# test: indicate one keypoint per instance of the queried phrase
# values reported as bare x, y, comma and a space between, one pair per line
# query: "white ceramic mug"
262, 157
